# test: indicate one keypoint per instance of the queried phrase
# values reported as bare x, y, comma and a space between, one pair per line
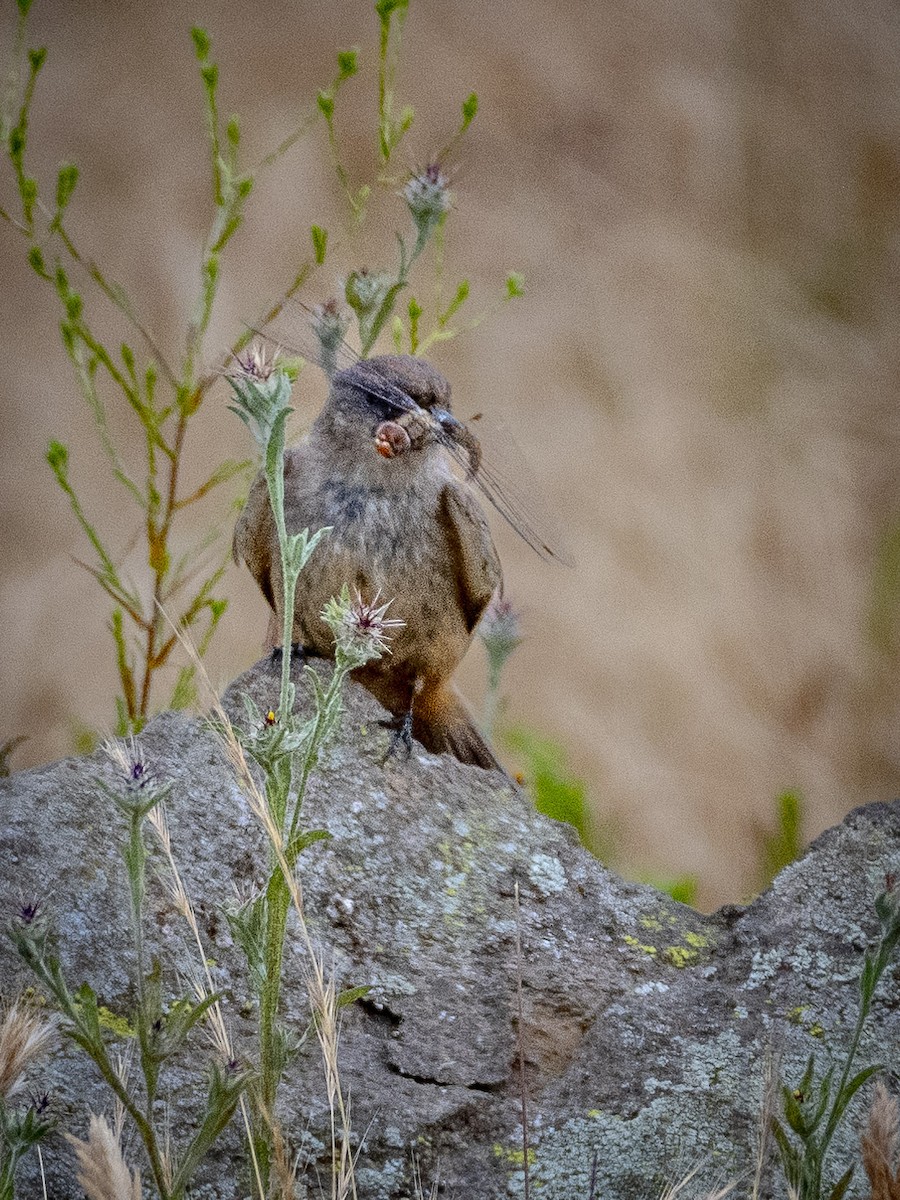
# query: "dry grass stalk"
24, 1038
880, 1140
203, 986
767, 1109
104, 1174
320, 988
673, 1190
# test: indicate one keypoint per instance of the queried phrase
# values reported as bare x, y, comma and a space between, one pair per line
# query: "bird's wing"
254, 535
477, 566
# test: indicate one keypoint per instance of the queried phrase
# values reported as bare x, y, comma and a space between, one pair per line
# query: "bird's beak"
453, 429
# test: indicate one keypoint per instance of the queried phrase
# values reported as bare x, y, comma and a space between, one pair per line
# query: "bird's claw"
298, 653
401, 735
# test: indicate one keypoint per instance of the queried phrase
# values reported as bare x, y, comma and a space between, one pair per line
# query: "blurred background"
703, 199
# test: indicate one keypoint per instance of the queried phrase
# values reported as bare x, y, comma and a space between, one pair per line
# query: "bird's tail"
444, 725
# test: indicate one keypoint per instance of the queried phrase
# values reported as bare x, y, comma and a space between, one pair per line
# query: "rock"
647, 1026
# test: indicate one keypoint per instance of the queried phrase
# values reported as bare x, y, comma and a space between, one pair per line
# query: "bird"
404, 527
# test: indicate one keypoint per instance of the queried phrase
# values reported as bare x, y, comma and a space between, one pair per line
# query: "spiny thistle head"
261, 383
361, 630
132, 767
256, 362
428, 198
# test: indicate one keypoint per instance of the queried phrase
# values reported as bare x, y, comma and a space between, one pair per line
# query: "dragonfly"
489, 459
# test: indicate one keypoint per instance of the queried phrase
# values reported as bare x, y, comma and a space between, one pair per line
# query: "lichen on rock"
647, 1026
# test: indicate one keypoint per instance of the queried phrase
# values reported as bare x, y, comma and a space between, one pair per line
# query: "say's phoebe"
403, 527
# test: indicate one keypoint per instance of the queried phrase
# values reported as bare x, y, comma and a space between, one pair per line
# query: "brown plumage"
403, 527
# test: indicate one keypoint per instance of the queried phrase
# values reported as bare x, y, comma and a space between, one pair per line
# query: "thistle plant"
160, 1024
163, 392
285, 746
500, 632
814, 1108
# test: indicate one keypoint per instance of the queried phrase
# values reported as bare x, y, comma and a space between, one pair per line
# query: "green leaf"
320, 242
325, 102
386, 8
350, 995
24, 6
298, 844
233, 132
469, 109
66, 181
793, 1113
36, 260
210, 76
201, 42
348, 63
515, 284
842, 1184
37, 58
184, 694
58, 458
851, 1088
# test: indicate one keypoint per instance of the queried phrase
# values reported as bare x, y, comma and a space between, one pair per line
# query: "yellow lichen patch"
515, 1158
651, 923
113, 1022
796, 1015
698, 940
633, 942
680, 956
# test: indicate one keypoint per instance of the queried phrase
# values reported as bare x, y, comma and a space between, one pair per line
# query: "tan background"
703, 199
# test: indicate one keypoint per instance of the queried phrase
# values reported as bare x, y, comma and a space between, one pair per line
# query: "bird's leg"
401, 735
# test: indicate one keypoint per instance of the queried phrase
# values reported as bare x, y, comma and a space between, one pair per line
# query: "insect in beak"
454, 431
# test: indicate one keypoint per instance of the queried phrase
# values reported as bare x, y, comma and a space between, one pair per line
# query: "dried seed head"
24, 1037
103, 1172
256, 362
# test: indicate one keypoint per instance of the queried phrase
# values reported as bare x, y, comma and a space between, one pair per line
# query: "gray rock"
647, 1026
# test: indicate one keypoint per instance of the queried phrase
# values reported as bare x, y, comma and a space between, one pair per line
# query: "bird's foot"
298, 653
401, 735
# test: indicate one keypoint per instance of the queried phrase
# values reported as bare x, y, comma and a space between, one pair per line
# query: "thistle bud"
500, 630
329, 325
365, 290
427, 196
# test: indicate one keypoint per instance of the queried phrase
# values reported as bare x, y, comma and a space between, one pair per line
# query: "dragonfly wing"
508, 482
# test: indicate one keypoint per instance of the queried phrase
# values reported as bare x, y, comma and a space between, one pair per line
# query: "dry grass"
320, 987
202, 982
880, 1141
679, 1189
103, 1172
24, 1038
